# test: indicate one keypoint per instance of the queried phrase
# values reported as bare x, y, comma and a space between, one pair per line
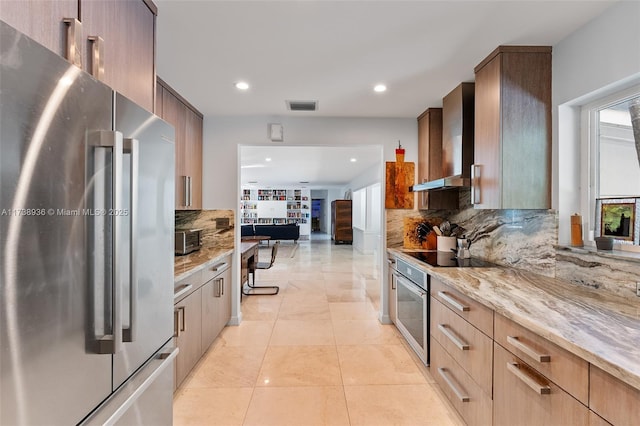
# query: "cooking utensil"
437, 230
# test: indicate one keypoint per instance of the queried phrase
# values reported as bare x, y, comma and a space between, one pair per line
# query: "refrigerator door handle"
131, 147
185, 194
110, 343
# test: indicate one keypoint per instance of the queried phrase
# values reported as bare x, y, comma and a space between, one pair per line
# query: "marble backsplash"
217, 226
524, 239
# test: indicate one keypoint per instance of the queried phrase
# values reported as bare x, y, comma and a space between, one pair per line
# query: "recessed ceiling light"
253, 181
380, 88
304, 181
353, 160
267, 159
242, 85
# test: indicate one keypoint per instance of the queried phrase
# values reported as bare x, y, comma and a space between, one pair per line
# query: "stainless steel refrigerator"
86, 245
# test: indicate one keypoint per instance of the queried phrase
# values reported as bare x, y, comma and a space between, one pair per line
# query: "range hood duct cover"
457, 141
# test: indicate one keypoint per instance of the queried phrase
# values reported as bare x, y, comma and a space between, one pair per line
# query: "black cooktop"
445, 259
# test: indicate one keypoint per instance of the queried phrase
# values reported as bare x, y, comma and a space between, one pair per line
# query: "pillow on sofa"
247, 231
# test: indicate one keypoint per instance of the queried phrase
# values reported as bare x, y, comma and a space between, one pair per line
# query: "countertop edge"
215, 258
590, 354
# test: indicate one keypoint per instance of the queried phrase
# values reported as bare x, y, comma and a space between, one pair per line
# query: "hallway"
315, 354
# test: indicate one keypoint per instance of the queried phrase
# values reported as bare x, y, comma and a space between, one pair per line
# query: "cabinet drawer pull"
516, 343
176, 322
219, 267
514, 368
443, 373
184, 289
454, 339
454, 303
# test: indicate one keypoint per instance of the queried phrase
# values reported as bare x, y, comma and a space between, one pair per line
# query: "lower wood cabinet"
187, 332
523, 396
472, 403
201, 315
612, 399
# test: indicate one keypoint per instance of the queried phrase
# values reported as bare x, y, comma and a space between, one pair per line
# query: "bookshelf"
277, 206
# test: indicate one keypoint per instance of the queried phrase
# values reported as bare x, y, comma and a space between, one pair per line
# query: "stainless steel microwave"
188, 240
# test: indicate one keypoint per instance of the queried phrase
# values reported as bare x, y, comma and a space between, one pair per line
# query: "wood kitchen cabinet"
201, 310
188, 123
341, 216
126, 28
523, 396
430, 161
462, 351
188, 331
216, 302
512, 153
612, 399
41, 20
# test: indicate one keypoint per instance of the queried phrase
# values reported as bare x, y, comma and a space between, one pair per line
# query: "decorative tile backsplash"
217, 226
524, 239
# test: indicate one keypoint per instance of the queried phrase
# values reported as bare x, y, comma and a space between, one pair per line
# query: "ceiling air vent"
302, 105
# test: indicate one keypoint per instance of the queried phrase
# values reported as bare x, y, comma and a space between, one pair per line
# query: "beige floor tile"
260, 308
300, 366
248, 333
335, 295
378, 365
352, 311
364, 332
227, 367
409, 405
312, 307
297, 406
299, 333
224, 407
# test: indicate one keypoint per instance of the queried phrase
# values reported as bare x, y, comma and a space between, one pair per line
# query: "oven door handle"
413, 288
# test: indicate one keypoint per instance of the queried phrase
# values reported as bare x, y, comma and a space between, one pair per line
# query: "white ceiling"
320, 167
336, 51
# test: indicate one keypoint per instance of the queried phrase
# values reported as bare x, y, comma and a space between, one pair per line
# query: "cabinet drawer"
186, 286
567, 370
466, 344
465, 395
215, 269
475, 313
615, 401
523, 397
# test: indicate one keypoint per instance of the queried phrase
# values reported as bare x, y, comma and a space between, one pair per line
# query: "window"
612, 157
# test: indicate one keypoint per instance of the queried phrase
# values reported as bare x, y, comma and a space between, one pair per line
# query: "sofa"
289, 231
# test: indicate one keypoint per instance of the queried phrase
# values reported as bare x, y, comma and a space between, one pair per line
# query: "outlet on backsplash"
638, 288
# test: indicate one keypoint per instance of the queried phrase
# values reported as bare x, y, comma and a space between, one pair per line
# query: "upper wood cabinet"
512, 155
126, 29
187, 122
430, 161
41, 20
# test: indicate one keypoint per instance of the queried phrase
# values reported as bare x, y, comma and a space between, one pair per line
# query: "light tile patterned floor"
315, 354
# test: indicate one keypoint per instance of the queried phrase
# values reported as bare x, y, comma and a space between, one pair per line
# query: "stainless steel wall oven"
412, 294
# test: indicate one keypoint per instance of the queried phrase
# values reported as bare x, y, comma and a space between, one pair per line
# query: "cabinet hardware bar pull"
222, 286
74, 41
185, 185
97, 57
475, 184
185, 288
516, 343
219, 266
514, 368
184, 318
454, 339
454, 303
176, 321
447, 379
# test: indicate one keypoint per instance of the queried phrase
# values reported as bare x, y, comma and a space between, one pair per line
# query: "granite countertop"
193, 262
601, 328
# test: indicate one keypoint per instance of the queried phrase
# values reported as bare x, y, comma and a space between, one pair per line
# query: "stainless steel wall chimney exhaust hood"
457, 141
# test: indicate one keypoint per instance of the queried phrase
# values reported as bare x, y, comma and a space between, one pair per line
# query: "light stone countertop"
601, 328
193, 262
